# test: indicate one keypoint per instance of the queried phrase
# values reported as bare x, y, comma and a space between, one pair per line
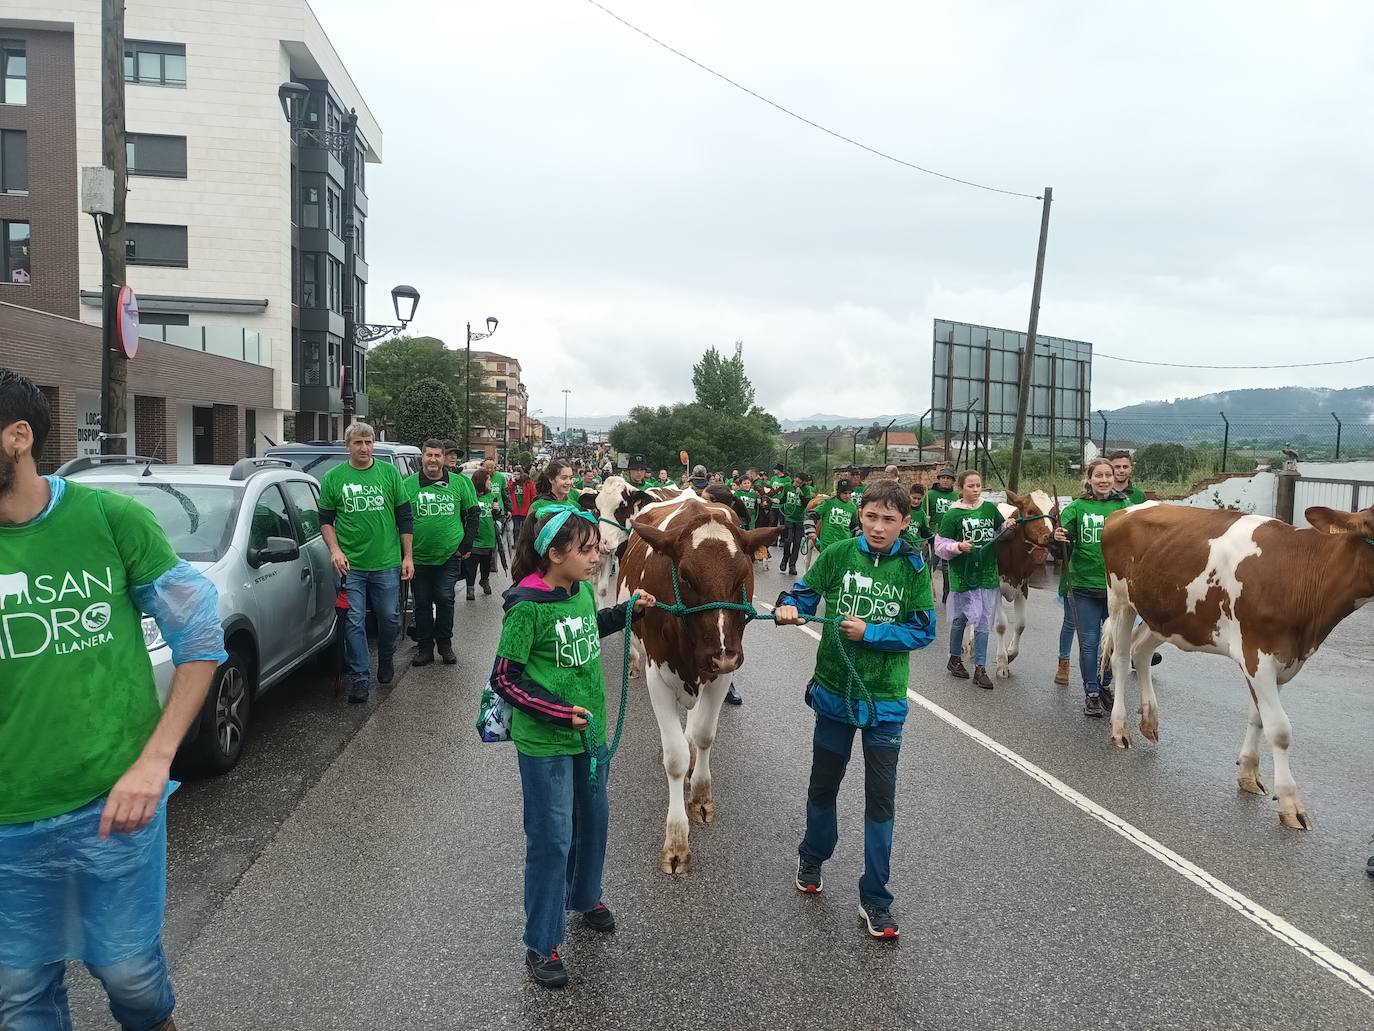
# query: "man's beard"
9, 471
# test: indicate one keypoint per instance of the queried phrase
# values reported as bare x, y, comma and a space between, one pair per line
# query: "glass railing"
244, 345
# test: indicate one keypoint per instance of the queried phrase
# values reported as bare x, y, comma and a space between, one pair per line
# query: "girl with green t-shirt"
967, 539
484, 544
548, 667
1080, 526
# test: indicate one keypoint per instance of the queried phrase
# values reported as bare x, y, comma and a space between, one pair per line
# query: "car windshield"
318, 464
198, 518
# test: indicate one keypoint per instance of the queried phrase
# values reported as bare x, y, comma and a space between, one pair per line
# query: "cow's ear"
587, 501
665, 540
639, 499
1332, 520
1015, 499
763, 536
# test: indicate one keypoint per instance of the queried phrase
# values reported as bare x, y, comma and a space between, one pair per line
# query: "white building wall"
236, 199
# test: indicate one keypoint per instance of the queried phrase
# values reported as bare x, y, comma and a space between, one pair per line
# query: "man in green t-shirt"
938, 500
444, 510
834, 519
85, 747
1122, 468
881, 588
367, 521
791, 501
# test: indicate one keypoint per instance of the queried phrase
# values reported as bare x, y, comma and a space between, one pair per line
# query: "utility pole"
114, 415
566, 392
1028, 359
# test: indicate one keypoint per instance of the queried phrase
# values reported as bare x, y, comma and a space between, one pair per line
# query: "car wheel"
224, 717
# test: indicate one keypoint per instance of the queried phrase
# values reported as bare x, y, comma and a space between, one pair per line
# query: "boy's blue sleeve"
185, 606
915, 632
802, 597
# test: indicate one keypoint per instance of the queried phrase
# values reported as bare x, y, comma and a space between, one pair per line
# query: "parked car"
254, 530
317, 457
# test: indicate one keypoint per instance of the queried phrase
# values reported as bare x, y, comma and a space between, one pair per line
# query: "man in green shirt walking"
444, 509
367, 521
85, 747
938, 500
792, 503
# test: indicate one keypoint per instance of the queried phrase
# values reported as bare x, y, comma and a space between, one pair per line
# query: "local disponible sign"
128, 320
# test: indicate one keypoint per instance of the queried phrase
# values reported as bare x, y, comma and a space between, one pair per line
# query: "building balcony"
242, 344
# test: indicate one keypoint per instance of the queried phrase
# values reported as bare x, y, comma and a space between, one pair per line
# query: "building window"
149, 244
500, 384
358, 237
310, 207
14, 161
163, 156
15, 86
360, 362
16, 258
336, 286
335, 361
359, 300
332, 200
163, 318
310, 281
311, 364
360, 170
154, 64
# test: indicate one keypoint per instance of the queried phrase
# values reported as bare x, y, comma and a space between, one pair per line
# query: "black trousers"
433, 588
791, 544
479, 562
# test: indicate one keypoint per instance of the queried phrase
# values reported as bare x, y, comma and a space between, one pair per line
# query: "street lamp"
492, 323
344, 143
566, 392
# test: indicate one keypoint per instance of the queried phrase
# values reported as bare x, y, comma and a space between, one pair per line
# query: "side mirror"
277, 549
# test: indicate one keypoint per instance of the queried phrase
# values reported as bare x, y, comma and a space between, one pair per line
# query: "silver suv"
254, 530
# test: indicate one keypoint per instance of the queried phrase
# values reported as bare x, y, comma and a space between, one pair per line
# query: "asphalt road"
390, 896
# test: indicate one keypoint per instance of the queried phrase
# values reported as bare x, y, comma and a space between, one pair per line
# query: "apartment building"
501, 382
235, 217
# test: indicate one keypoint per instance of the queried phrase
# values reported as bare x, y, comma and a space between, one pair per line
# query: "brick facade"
63, 356
49, 120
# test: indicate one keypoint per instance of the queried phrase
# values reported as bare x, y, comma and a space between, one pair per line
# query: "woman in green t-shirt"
484, 544
967, 539
1080, 526
548, 668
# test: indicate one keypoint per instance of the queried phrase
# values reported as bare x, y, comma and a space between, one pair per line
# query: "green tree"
427, 408
722, 386
520, 454
399, 363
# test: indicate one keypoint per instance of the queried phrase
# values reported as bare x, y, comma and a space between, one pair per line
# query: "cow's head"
1332, 520
1029, 507
617, 501
714, 560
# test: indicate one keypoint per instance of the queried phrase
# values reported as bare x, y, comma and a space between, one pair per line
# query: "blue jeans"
382, 591
1091, 614
831, 745
957, 626
1066, 631
140, 993
565, 843
434, 588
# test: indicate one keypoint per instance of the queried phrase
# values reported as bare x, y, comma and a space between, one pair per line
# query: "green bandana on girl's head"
562, 512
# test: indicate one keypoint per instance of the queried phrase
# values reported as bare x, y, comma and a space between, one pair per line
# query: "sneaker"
446, 653
424, 655
880, 921
385, 672
1092, 706
1061, 675
1108, 697
600, 919
547, 973
956, 668
980, 678
809, 880
357, 694
732, 696
472, 595
486, 587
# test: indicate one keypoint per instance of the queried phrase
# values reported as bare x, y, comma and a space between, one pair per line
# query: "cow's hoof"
1249, 782
703, 811
1121, 739
1149, 727
674, 862
1003, 671
1298, 820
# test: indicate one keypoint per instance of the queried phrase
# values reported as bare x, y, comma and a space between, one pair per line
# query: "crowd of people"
85, 748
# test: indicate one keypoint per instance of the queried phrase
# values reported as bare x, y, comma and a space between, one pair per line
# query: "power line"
801, 118
1235, 368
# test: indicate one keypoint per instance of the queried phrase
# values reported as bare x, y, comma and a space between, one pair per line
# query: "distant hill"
827, 421
1259, 402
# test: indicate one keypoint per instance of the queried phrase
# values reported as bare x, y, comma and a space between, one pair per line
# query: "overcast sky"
620, 210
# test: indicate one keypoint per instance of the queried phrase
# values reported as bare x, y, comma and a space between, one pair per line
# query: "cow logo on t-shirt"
434, 503
978, 530
840, 517
362, 497
578, 641
868, 599
61, 613
1090, 529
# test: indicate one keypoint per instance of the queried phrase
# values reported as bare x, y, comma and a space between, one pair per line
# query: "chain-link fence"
1172, 454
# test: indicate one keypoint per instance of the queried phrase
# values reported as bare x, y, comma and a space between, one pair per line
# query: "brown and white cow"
688, 660
615, 502
1246, 586
1018, 556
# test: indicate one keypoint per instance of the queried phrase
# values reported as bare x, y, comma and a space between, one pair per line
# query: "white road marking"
1325, 957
